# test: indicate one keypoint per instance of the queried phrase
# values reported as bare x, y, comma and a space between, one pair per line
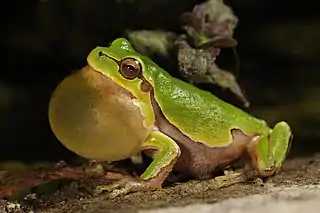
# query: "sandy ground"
299, 180
293, 199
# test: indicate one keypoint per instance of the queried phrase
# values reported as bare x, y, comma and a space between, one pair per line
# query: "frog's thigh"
236, 148
167, 153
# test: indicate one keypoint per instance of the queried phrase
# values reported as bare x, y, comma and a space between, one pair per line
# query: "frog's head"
124, 66
128, 69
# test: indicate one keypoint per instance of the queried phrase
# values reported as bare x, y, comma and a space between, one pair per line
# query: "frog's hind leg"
268, 152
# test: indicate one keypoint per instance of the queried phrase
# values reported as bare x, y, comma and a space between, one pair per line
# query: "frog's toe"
116, 189
229, 178
120, 192
124, 187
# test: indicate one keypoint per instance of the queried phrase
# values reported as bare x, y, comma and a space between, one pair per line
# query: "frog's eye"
130, 68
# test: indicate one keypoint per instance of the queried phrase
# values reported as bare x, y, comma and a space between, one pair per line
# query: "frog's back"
199, 114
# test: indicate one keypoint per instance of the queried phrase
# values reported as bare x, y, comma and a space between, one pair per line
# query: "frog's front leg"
269, 151
166, 155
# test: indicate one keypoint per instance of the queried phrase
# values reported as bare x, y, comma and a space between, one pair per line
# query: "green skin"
197, 114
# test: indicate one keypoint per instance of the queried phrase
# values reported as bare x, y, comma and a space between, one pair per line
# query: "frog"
122, 103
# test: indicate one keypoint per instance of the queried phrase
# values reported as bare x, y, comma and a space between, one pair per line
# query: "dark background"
43, 41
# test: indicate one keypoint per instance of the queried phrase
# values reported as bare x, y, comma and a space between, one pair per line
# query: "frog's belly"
196, 159
96, 118
202, 161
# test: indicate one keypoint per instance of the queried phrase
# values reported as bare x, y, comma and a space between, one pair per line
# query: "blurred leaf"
210, 26
211, 22
152, 42
198, 66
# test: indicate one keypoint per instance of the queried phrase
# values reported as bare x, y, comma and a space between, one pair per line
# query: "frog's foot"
229, 178
269, 152
158, 170
126, 186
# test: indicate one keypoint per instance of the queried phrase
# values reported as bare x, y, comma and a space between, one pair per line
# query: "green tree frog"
123, 103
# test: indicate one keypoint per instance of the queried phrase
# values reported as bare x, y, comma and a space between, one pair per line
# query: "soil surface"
299, 171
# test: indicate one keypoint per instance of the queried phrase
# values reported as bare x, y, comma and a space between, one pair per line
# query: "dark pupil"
130, 68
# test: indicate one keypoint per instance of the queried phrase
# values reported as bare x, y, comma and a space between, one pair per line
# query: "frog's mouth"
145, 86
103, 76
105, 84
103, 55
103, 63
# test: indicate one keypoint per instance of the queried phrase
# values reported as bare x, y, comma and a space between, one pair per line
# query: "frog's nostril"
101, 54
